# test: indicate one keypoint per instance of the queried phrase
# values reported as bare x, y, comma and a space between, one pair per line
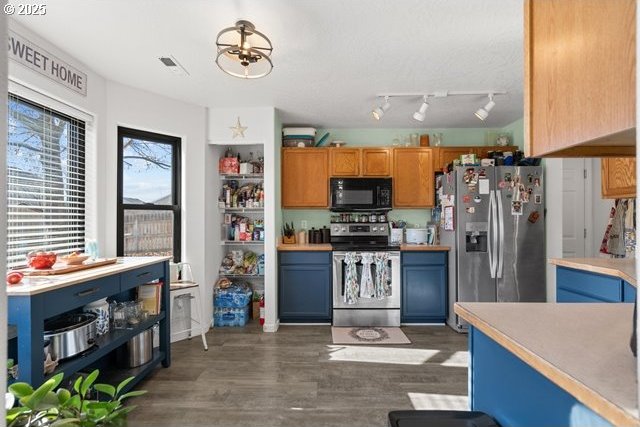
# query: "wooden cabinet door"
344, 161
413, 179
618, 177
580, 77
447, 155
376, 161
305, 178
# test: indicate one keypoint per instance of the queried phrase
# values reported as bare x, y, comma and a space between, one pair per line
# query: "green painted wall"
384, 137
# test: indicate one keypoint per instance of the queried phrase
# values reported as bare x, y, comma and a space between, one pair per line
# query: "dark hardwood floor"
297, 377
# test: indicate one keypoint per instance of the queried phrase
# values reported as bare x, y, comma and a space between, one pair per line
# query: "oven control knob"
336, 229
382, 228
374, 228
343, 229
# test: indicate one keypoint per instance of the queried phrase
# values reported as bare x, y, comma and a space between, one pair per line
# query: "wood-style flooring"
297, 377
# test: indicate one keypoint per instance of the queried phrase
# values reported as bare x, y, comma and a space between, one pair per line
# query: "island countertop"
624, 268
32, 285
582, 348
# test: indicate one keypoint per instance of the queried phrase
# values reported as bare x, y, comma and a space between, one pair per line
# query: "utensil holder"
289, 240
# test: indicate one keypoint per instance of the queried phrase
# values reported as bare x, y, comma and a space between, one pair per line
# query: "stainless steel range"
366, 275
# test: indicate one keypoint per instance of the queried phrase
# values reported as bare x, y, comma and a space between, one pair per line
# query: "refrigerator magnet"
466, 198
516, 208
470, 210
483, 185
502, 184
533, 217
536, 181
448, 218
537, 199
477, 199
507, 176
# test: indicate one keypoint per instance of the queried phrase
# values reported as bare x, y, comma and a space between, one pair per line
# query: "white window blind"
46, 181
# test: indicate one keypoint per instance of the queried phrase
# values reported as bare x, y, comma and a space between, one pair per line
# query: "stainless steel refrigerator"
493, 220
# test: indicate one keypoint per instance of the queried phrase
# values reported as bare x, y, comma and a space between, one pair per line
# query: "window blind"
45, 182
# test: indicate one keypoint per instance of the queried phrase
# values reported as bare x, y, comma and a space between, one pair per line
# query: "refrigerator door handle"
491, 238
501, 236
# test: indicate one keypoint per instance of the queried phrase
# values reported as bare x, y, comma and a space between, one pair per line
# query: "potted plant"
45, 407
289, 234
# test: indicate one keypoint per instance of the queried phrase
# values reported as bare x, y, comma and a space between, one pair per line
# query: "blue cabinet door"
424, 293
583, 286
305, 293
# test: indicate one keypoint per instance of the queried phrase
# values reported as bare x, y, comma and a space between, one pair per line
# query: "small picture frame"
537, 199
468, 159
516, 207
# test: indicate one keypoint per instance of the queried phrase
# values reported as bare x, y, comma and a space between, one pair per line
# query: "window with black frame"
148, 194
45, 181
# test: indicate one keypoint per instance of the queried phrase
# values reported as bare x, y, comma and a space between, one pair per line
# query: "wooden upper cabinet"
580, 77
305, 178
618, 177
344, 161
446, 155
376, 161
413, 178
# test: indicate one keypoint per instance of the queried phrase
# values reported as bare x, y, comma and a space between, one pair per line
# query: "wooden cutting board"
61, 268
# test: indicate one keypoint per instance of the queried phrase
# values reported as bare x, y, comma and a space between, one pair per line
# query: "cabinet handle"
87, 292
146, 273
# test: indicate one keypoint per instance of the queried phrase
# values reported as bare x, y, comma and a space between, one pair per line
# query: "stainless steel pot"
137, 351
70, 334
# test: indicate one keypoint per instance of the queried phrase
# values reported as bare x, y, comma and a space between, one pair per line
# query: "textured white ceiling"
331, 56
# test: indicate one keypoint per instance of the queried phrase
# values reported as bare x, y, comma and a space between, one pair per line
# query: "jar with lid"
373, 218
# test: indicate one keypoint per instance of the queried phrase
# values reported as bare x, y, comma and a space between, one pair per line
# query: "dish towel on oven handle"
366, 283
351, 285
382, 288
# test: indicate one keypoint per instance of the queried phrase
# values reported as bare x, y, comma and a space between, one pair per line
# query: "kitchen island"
43, 297
595, 279
537, 364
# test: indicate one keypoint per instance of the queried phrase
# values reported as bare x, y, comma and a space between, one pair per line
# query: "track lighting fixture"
422, 112
483, 113
378, 112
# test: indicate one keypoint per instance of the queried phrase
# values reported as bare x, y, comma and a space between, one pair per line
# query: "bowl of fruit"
74, 258
41, 260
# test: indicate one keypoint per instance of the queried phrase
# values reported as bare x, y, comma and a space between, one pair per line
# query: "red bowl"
41, 260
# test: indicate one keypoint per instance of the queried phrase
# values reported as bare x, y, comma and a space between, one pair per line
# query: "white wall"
553, 224
134, 108
600, 210
3, 213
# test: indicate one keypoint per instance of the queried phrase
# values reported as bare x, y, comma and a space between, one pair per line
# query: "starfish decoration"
238, 130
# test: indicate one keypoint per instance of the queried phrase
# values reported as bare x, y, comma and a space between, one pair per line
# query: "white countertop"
32, 285
582, 348
624, 268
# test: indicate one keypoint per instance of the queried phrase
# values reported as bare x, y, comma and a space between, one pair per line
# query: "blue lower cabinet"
424, 290
583, 286
515, 394
305, 287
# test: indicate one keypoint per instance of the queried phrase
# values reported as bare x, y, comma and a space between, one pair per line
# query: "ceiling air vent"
172, 64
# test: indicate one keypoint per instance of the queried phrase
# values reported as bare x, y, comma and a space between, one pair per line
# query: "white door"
573, 208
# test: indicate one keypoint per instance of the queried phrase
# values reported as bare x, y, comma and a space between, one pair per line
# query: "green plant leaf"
63, 395
120, 413
77, 384
50, 400
20, 390
10, 363
132, 394
107, 389
88, 382
33, 400
123, 384
13, 413
66, 422
73, 402
57, 378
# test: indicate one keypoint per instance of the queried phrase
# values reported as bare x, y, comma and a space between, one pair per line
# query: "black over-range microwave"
360, 194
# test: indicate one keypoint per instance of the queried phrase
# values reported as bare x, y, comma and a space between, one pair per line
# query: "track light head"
483, 113
422, 111
378, 112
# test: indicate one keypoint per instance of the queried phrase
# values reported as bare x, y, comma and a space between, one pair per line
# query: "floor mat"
368, 335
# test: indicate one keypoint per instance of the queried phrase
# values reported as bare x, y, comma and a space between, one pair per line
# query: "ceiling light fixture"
422, 111
483, 113
378, 112
244, 52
